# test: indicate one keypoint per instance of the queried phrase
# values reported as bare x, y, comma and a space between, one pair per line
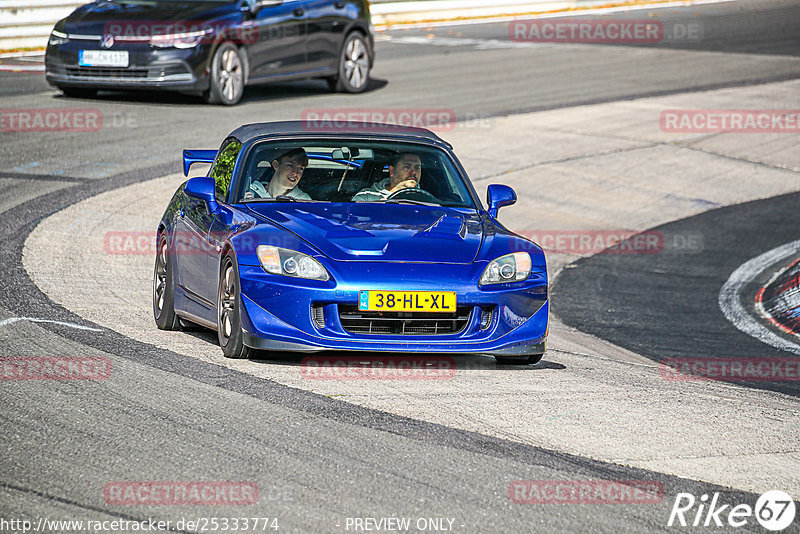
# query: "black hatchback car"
212, 48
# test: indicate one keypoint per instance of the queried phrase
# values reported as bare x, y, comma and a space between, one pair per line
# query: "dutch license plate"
407, 301
103, 58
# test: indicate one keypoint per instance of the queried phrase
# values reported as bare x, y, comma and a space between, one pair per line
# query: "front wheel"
229, 323
353, 73
227, 76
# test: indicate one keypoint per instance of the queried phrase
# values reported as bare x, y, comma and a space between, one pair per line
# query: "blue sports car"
358, 238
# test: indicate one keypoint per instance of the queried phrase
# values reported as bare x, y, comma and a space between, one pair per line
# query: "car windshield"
351, 171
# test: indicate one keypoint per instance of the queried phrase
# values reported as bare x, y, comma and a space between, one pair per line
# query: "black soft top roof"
248, 132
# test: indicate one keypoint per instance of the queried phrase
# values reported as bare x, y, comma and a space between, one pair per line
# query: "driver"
405, 170
288, 168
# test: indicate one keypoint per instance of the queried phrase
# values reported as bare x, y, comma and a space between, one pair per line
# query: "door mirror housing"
499, 195
254, 6
190, 157
203, 188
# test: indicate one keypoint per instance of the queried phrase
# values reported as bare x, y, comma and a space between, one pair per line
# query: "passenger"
405, 171
289, 168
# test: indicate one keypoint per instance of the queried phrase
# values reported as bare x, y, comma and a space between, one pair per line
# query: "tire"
164, 288
78, 92
229, 302
227, 76
354, 67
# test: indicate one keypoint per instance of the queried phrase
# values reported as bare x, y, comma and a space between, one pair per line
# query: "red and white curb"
730, 301
781, 307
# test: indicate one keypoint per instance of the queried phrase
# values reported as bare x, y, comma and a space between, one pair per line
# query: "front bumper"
279, 313
149, 68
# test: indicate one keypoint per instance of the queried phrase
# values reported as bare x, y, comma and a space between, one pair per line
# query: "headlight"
509, 268
178, 40
57, 38
290, 263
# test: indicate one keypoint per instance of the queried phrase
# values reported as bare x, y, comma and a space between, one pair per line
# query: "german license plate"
103, 58
407, 301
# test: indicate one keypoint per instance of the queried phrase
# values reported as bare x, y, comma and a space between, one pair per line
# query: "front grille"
106, 72
403, 323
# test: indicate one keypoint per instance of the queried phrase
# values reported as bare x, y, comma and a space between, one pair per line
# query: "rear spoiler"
191, 157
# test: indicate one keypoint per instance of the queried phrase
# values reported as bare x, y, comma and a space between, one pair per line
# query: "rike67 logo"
774, 510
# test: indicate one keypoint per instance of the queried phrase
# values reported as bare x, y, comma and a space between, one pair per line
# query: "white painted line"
479, 44
22, 54
559, 14
12, 320
731, 306
397, 8
20, 68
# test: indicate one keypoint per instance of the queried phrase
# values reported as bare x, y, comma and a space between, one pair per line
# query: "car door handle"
299, 12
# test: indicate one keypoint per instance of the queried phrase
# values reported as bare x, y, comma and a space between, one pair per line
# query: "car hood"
98, 18
381, 232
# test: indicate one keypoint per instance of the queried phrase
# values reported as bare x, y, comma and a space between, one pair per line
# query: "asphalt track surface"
318, 460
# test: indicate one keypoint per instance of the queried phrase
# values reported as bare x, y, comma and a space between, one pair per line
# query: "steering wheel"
413, 193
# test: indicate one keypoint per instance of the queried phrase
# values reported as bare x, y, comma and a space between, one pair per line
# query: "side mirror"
497, 196
202, 188
254, 6
190, 157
